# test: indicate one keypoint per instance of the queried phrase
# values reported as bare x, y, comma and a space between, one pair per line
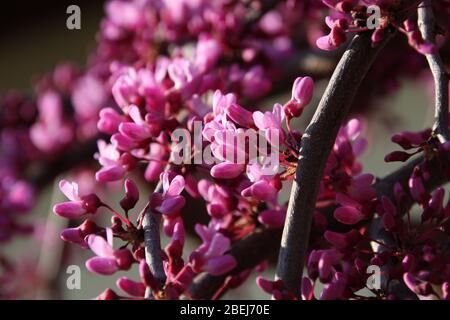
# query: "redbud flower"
333, 40
170, 201
139, 129
302, 93
208, 51
109, 121
131, 195
227, 170
108, 260
210, 256
78, 235
275, 288
272, 218
255, 83
271, 123
416, 187
114, 164
307, 289
77, 206
133, 288
239, 115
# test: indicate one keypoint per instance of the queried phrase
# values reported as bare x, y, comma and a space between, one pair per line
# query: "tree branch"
152, 240
316, 145
427, 26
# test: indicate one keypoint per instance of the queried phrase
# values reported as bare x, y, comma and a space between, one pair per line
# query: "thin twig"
152, 240
316, 145
427, 26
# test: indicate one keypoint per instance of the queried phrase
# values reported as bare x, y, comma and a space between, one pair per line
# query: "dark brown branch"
152, 240
427, 25
316, 145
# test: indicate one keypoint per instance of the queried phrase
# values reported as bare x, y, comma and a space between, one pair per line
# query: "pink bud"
302, 90
307, 289
266, 285
348, 215
171, 205
397, 156
227, 170
70, 209
272, 218
108, 294
240, 115
131, 195
417, 188
133, 288
110, 173
103, 266
135, 131
220, 265
408, 262
109, 121
147, 276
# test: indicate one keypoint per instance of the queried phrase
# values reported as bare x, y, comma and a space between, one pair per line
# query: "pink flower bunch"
351, 16
164, 66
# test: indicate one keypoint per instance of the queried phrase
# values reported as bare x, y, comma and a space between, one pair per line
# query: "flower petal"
100, 246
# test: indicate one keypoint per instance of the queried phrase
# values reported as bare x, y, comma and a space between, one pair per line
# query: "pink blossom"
114, 164
109, 120
170, 201
108, 261
210, 256
302, 93
271, 123
78, 205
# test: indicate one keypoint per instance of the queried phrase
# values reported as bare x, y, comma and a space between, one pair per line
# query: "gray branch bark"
427, 26
152, 240
316, 145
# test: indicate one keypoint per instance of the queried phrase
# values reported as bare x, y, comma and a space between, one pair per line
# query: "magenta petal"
325, 44
216, 210
272, 218
70, 209
263, 190
264, 284
227, 170
109, 121
171, 205
104, 266
307, 289
111, 173
220, 265
219, 244
348, 215
100, 246
70, 189
339, 240
303, 90
240, 115
72, 235
153, 170
176, 186
133, 288
134, 131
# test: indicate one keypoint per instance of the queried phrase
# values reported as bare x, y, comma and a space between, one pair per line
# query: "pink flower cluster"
160, 66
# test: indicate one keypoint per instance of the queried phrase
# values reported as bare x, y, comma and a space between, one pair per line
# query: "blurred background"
34, 38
